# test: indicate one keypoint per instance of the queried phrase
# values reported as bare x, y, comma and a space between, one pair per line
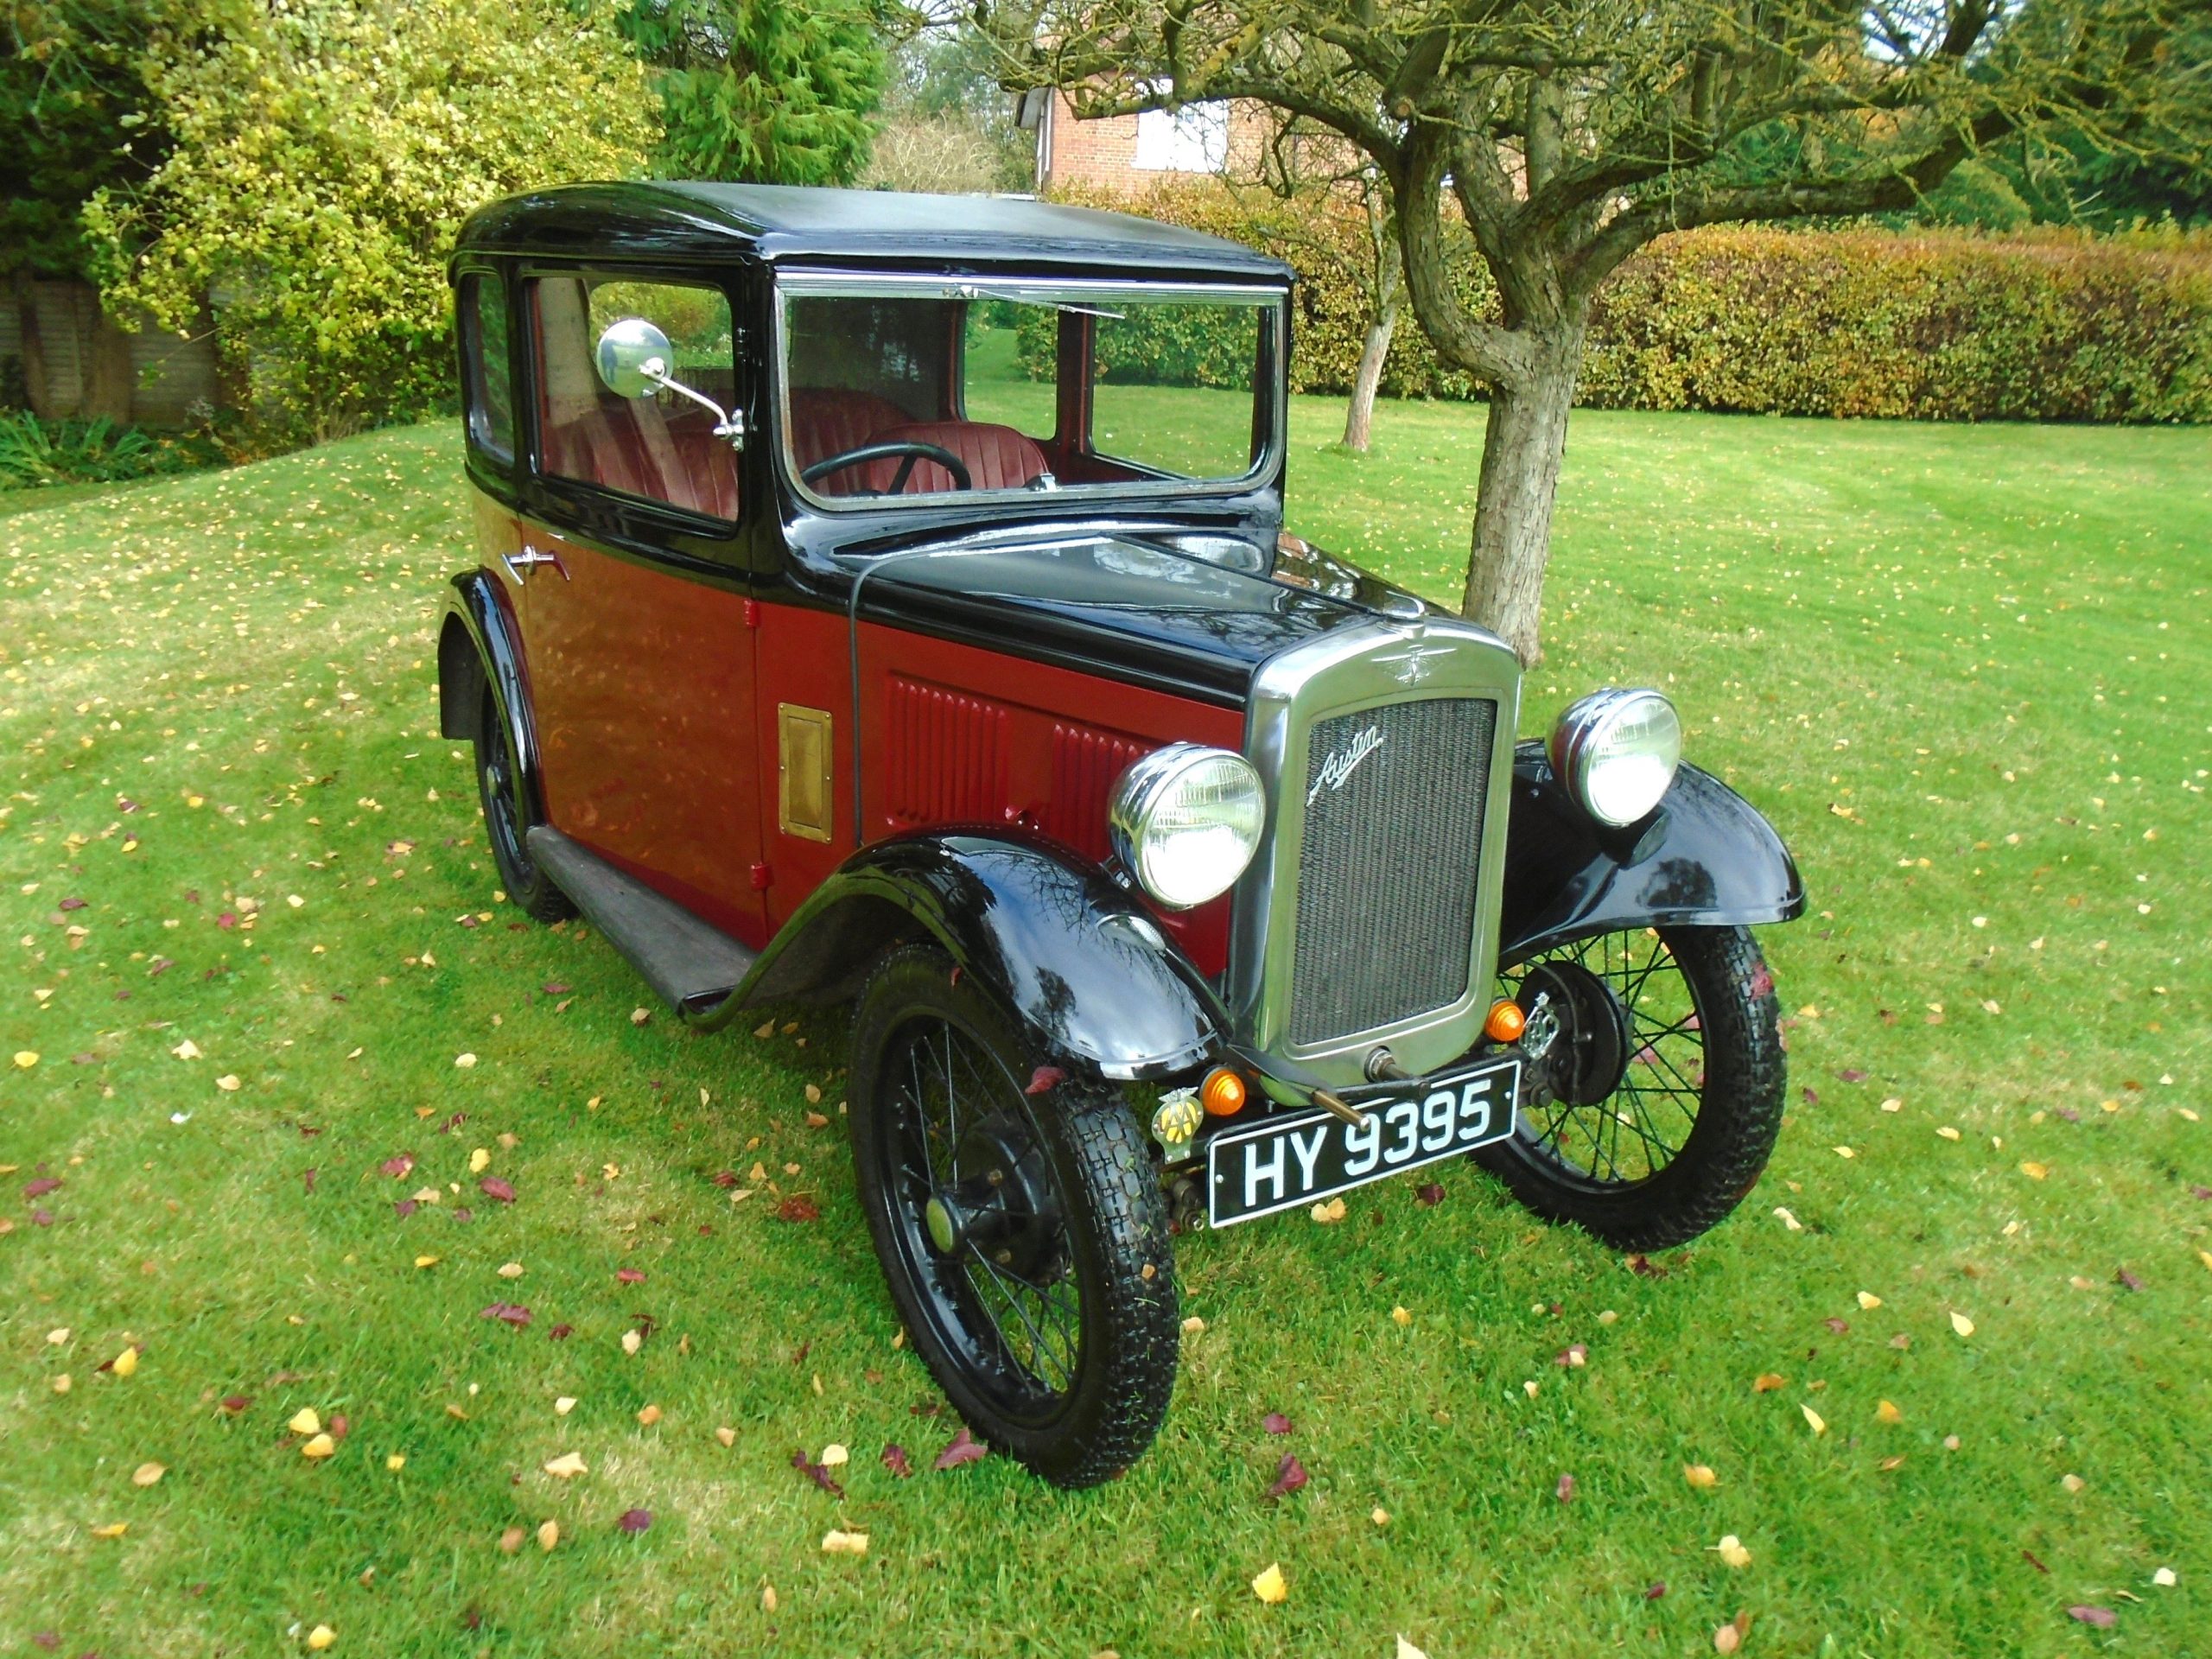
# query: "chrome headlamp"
1186, 820
1616, 752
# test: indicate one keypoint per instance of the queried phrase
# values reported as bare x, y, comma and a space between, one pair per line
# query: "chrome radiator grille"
1386, 915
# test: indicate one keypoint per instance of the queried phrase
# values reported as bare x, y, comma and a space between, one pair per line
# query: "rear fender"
1704, 858
480, 646
1059, 947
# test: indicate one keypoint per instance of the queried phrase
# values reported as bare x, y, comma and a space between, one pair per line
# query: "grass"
1966, 671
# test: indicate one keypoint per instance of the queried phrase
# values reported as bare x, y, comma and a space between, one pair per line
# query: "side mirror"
634, 358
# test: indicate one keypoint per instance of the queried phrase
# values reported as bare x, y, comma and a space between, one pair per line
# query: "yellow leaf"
304, 1422
1333, 1211
1379, 1516
228, 1083
147, 1473
768, 1602
726, 1436
564, 1405
113, 1529
1701, 1476
61, 1383
1767, 1383
1840, 1152
1407, 1650
479, 1160
835, 1542
567, 1467
511, 1270
548, 1534
2072, 1483
396, 1462
26, 1058
1869, 1300
320, 1637
57, 1335
1960, 1323
1948, 1133
1399, 1316
1730, 1550
464, 1061
1814, 1421
648, 1416
1270, 1585
425, 1260
834, 1456
1888, 1413
126, 1362
631, 1342
1194, 1326
2205, 1256
2033, 1171
321, 1446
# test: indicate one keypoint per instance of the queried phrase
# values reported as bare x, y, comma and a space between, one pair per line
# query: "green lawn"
1966, 671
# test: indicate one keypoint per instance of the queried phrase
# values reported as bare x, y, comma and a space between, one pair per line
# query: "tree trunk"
1359, 414
108, 381
38, 391
1523, 440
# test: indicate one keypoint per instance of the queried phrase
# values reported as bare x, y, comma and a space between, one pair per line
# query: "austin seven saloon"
887, 598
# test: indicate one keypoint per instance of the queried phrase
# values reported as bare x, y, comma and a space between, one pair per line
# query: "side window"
1010, 359
661, 447
486, 374
1173, 388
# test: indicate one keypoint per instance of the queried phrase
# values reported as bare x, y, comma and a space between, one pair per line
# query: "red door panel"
642, 688
958, 734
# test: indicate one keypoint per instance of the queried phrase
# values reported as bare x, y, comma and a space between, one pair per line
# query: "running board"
693, 965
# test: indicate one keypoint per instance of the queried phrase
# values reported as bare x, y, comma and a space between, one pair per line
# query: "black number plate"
1305, 1160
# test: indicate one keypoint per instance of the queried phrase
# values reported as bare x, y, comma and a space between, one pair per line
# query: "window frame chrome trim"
1345, 671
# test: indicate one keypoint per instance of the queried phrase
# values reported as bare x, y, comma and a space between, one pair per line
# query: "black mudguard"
479, 646
1061, 948
1704, 858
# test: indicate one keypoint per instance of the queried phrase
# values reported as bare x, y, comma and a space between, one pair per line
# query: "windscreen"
896, 392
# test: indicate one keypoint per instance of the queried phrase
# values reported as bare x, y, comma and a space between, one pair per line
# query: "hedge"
1931, 326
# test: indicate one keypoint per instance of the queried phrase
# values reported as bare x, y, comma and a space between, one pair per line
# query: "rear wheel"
1024, 1235
499, 788
1653, 1087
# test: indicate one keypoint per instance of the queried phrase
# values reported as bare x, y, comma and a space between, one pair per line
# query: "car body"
767, 723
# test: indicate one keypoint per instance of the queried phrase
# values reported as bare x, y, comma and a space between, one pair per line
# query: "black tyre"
1654, 1090
1024, 1235
499, 788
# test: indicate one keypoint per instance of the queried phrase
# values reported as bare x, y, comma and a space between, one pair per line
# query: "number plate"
1300, 1160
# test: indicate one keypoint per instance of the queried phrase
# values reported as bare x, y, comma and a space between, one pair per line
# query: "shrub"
1934, 326
34, 452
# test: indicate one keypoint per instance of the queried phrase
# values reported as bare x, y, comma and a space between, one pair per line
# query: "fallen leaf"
635, 1521
305, 1421
511, 1270
631, 1341
2103, 1617
816, 1473
2034, 1170
768, 1603
322, 1445
726, 1436
322, 1637
1869, 1300
548, 1534
799, 1207
1275, 1423
1652, 1592
113, 1529
512, 1540
2164, 1579
507, 1313
648, 1416
1044, 1078
1270, 1586
563, 1405
894, 1459
1565, 1489
1960, 1323
1701, 1476
1767, 1383
1333, 1211
1290, 1475
1814, 1421
228, 1083
1885, 1412
1732, 1551
125, 1363
1405, 1650
567, 1467
835, 1542
147, 1473
2072, 1483
964, 1448
1400, 1316
492, 1187
396, 1462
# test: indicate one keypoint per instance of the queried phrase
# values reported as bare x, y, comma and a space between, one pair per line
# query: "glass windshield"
902, 389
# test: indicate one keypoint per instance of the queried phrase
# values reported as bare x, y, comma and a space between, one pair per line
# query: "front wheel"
1653, 1086
1019, 1223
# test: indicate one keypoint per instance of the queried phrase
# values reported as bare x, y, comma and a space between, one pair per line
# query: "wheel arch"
480, 649
1070, 958
1706, 857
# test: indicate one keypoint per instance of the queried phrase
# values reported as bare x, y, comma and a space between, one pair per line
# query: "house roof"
797, 225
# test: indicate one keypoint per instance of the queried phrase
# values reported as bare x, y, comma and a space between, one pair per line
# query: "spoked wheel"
499, 789
1024, 1238
1654, 1083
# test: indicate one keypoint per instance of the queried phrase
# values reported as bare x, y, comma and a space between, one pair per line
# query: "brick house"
1129, 155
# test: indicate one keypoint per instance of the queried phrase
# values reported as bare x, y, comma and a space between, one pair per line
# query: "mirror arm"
726, 426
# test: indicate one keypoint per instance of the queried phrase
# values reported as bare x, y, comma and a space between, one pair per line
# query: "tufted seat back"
997, 457
830, 420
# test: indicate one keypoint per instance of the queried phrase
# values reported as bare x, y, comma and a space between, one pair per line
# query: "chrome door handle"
519, 564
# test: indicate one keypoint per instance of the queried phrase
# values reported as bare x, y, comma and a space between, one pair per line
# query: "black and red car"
887, 597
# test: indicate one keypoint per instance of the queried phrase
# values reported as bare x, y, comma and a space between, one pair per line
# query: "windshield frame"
1272, 300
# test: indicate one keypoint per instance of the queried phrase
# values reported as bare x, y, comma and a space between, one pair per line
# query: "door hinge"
752, 613
761, 876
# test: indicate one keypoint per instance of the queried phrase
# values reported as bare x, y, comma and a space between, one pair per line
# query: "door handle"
520, 564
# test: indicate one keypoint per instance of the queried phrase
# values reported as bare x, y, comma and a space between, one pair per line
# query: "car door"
633, 605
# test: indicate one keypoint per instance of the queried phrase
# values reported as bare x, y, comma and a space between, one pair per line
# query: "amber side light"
1223, 1092
1506, 1022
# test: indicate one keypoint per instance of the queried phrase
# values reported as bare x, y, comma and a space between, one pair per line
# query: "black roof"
802, 225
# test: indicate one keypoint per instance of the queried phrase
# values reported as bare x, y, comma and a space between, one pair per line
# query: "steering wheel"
912, 452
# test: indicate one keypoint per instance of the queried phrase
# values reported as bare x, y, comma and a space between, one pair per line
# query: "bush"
1934, 326
34, 452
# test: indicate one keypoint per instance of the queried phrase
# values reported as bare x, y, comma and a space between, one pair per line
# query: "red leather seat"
633, 448
830, 420
997, 457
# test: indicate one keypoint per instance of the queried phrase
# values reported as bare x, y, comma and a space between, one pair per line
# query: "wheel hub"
1002, 1204
1578, 1033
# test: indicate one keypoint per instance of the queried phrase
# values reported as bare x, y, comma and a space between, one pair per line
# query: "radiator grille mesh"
1387, 871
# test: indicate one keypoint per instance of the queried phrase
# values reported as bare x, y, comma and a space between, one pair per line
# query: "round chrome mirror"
631, 354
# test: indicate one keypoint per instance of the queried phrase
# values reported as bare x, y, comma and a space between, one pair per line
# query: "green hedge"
1941, 326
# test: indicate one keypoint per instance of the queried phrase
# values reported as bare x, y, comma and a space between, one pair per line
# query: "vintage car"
887, 597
